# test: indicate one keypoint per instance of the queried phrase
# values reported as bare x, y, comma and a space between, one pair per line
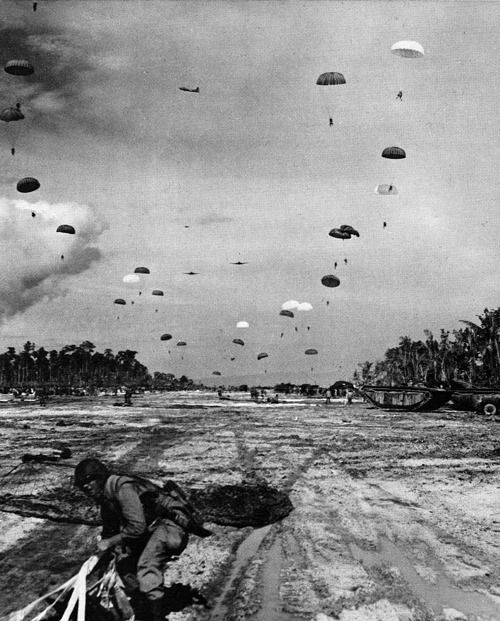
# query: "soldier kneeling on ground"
146, 525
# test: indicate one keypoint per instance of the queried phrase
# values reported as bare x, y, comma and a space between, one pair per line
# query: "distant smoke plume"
31, 263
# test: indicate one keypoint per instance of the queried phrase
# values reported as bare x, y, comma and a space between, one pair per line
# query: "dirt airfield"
396, 515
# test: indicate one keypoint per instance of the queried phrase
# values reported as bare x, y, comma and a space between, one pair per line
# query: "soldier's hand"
104, 544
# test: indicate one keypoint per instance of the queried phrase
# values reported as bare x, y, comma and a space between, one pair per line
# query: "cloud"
31, 264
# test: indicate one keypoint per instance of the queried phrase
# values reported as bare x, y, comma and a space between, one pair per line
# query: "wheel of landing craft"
489, 409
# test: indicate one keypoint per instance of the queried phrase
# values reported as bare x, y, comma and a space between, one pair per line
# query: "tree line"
80, 366
470, 355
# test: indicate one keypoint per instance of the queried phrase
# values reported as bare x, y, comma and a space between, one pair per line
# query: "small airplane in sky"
239, 263
189, 90
191, 273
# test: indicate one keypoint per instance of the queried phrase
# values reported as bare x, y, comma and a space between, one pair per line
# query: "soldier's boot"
158, 609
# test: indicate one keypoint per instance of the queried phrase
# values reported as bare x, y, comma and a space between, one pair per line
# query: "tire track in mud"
254, 588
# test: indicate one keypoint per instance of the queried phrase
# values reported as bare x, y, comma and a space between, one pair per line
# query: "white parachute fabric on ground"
79, 585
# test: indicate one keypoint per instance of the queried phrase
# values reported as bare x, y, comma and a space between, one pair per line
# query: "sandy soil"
396, 515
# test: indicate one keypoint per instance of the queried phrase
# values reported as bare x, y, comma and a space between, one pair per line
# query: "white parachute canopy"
242, 324
131, 279
304, 306
290, 305
408, 49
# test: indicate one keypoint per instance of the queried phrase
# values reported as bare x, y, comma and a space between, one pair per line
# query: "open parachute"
19, 67
386, 189
141, 270
286, 313
394, 153
262, 355
238, 342
242, 324
165, 337
120, 301
330, 281
27, 184
65, 228
408, 49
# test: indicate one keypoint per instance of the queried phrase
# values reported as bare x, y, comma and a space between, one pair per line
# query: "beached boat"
411, 399
483, 400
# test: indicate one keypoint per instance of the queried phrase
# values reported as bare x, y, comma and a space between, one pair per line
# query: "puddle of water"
439, 595
246, 550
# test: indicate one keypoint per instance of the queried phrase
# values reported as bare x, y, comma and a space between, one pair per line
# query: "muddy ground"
397, 515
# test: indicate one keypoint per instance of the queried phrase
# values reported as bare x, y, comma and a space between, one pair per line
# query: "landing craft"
191, 273
239, 263
189, 90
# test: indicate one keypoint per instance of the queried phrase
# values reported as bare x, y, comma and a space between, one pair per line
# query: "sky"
248, 169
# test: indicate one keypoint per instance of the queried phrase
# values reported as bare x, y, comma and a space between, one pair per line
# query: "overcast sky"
252, 167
